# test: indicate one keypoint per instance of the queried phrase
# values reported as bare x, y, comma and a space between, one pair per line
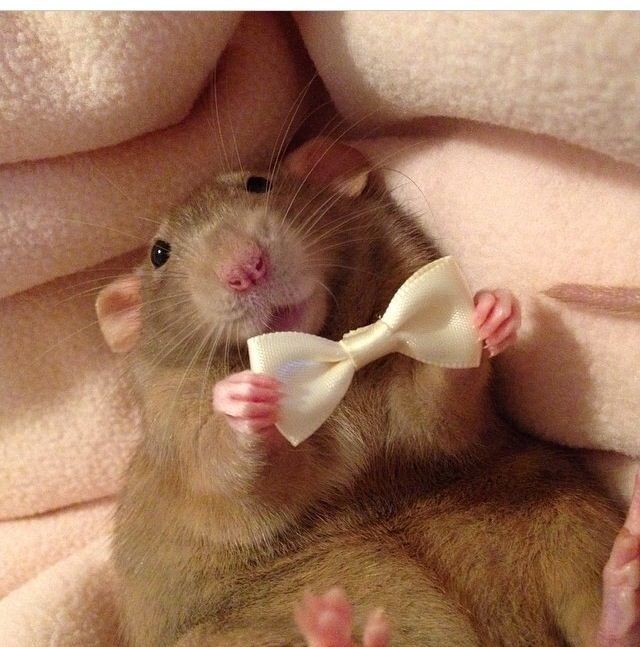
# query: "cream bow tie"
428, 319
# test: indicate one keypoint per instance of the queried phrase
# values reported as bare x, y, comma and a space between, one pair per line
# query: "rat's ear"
325, 162
119, 308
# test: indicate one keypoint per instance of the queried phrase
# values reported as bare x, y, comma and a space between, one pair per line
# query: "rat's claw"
620, 619
496, 348
497, 317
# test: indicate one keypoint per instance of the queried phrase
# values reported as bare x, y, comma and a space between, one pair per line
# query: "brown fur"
413, 496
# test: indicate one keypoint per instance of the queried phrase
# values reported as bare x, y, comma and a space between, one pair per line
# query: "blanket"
513, 138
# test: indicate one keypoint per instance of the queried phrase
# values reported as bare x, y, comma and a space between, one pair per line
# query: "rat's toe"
376, 630
325, 620
620, 619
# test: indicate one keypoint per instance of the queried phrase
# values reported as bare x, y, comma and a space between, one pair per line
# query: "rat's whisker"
196, 355
97, 226
317, 214
214, 94
339, 227
205, 375
125, 195
329, 292
238, 349
350, 268
313, 167
281, 139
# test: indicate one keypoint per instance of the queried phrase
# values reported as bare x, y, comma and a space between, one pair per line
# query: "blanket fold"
80, 80
30, 545
570, 74
71, 604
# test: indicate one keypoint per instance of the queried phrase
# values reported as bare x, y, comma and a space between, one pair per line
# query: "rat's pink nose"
244, 270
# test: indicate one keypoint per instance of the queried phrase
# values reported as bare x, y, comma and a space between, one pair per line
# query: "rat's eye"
257, 184
160, 253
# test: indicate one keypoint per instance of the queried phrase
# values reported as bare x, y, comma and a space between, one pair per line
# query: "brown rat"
413, 496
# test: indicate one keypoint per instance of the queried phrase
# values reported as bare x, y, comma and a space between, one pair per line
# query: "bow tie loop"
428, 319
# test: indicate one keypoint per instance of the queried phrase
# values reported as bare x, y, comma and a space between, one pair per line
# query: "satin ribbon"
428, 319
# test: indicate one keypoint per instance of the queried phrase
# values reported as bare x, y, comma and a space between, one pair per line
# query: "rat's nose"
245, 269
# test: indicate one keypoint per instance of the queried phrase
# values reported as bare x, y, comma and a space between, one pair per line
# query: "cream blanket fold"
570, 74
80, 80
72, 604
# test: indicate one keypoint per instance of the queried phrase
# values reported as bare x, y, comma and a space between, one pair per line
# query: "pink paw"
327, 621
497, 318
249, 401
620, 619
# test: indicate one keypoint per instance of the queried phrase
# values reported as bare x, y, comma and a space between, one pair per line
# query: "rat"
423, 515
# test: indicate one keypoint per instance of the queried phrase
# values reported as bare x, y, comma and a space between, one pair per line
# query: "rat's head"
252, 252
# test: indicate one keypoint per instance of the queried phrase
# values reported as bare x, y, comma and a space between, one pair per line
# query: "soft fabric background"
514, 137
77, 81
568, 74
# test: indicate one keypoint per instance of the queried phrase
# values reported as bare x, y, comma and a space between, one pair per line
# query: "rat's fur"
413, 496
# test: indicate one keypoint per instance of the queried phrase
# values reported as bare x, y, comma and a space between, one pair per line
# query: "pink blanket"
108, 119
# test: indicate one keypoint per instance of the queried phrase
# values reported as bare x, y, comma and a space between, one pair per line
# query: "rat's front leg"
439, 411
215, 432
248, 405
238, 440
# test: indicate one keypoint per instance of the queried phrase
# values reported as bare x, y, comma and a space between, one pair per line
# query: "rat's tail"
618, 301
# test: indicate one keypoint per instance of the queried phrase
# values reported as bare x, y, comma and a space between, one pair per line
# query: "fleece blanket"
513, 137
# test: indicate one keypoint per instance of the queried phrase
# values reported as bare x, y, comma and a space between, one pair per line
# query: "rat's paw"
620, 619
327, 621
497, 318
249, 401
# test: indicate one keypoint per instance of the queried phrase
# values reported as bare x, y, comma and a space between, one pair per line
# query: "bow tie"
428, 319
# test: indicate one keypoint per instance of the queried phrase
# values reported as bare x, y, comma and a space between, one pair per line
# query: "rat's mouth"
287, 317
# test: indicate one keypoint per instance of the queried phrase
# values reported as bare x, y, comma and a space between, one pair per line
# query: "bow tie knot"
428, 319
366, 344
